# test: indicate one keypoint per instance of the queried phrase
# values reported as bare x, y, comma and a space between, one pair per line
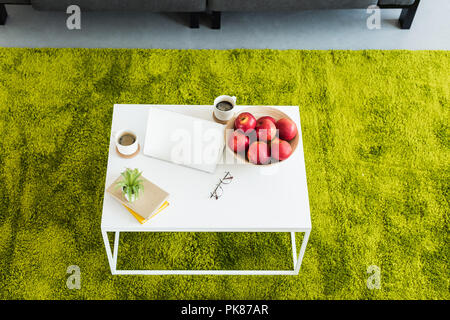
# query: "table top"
259, 198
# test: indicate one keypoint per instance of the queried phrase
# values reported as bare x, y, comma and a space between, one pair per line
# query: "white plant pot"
133, 197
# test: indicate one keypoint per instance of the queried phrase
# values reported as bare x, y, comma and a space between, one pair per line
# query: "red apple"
287, 129
238, 141
265, 129
258, 153
280, 149
245, 121
268, 117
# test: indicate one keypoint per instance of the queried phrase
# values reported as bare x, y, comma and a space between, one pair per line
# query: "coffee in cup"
127, 139
126, 142
223, 108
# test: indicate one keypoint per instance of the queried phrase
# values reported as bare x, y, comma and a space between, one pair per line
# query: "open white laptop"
183, 139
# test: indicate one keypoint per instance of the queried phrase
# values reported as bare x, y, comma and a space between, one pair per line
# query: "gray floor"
341, 29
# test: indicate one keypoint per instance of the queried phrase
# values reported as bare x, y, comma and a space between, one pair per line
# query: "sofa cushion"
117, 5
15, 1
286, 5
395, 2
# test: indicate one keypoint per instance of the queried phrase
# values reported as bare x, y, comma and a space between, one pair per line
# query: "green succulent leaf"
130, 183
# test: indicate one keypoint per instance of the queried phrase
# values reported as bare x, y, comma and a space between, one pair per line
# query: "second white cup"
222, 111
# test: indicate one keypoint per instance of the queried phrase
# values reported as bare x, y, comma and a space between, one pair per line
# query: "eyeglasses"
218, 190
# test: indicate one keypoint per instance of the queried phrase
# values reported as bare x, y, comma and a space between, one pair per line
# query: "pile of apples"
264, 140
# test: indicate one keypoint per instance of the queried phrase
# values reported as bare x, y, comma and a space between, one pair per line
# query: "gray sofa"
409, 7
192, 7
216, 7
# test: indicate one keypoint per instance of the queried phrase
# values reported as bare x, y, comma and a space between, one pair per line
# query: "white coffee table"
259, 199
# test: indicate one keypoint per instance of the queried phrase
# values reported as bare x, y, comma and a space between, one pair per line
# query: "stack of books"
151, 201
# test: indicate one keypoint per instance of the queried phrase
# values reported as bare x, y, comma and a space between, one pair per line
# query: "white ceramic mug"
224, 115
126, 150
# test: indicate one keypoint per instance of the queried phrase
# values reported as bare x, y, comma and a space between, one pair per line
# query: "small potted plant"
131, 185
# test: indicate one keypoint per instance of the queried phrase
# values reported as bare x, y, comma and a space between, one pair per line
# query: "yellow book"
143, 220
150, 203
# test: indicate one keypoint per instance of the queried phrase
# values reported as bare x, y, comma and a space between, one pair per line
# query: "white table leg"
108, 251
302, 252
116, 249
294, 249
113, 254
208, 272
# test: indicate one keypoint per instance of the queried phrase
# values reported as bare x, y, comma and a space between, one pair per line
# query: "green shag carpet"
376, 137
